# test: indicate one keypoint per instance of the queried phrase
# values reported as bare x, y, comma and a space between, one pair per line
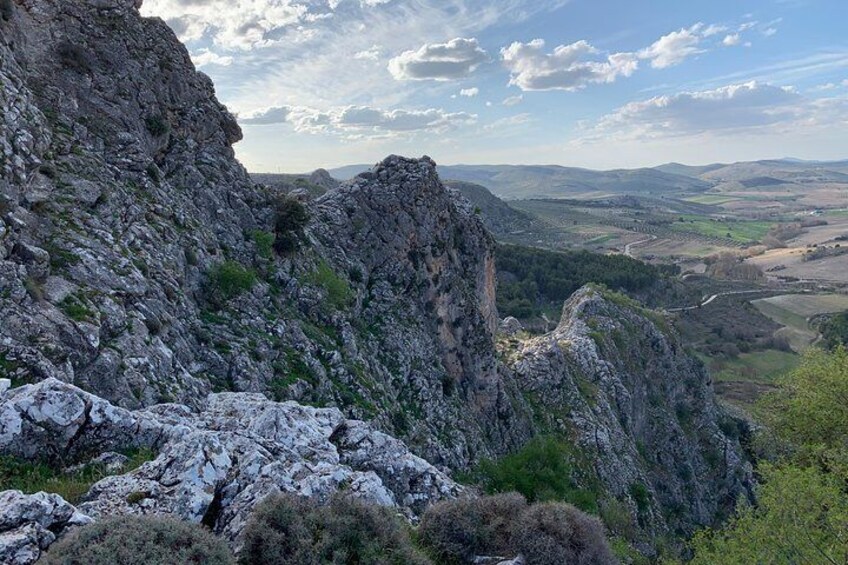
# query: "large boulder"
30, 523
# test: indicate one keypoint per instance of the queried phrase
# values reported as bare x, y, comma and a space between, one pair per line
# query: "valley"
757, 249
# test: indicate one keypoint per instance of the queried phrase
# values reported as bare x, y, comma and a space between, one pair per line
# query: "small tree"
291, 218
137, 540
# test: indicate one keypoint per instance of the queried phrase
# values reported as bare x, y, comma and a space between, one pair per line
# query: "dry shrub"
139, 540
554, 533
456, 531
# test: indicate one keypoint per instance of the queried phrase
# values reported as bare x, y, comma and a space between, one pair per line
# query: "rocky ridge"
614, 377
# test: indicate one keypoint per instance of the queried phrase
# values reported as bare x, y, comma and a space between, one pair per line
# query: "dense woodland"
533, 281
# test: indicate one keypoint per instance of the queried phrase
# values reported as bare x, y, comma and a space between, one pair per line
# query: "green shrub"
339, 294
544, 469
554, 533
76, 310
290, 219
455, 531
27, 477
290, 529
264, 243
801, 517
48, 171
156, 125
230, 279
34, 289
641, 496
140, 540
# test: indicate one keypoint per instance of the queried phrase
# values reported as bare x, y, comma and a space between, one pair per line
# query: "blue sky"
599, 84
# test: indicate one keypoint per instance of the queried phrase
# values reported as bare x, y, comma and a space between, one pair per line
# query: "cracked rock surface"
212, 466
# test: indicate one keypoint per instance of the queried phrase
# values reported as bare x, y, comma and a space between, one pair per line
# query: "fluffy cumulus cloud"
359, 119
579, 64
456, 59
747, 107
567, 67
675, 47
469, 92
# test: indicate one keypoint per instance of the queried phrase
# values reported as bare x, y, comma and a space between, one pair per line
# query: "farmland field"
794, 310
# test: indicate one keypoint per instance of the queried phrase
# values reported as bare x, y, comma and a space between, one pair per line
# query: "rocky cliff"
614, 377
136, 264
121, 195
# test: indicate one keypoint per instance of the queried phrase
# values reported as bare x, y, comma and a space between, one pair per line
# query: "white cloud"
769, 31
362, 119
713, 29
513, 100
204, 57
748, 107
675, 47
568, 67
731, 39
371, 54
469, 92
455, 59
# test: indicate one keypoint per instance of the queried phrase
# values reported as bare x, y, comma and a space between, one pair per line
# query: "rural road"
712, 297
628, 249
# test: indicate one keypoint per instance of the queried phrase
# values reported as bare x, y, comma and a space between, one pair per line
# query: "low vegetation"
339, 293
7, 9
73, 56
230, 279
140, 540
291, 529
545, 469
834, 331
550, 533
16, 474
157, 125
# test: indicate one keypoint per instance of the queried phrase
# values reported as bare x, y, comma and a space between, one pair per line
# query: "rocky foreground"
211, 466
121, 205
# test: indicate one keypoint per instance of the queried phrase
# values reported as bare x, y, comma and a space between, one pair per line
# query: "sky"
590, 83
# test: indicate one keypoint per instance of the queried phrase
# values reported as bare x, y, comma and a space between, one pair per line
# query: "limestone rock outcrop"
29, 523
211, 466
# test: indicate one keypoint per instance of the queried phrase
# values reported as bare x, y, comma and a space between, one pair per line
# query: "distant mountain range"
513, 182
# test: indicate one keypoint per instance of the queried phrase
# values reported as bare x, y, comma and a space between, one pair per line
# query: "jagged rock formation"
119, 197
613, 377
211, 466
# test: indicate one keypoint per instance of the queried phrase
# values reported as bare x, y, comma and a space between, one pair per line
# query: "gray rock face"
211, 466
126, 195
642, 411
30, 523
